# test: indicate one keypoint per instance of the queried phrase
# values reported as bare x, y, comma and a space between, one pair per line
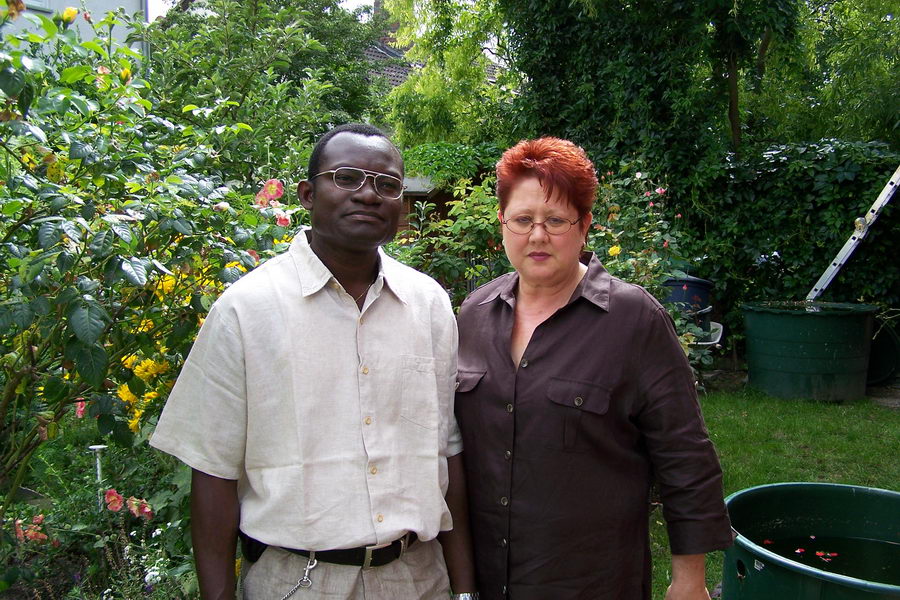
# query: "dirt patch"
885, 395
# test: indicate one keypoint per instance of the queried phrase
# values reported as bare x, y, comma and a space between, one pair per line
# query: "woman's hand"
688, 578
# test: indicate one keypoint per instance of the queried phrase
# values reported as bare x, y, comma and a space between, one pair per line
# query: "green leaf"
123, 231
81, 150
135, 271
49, 27
48, 234
80, 105
55, 388
12, 207
121, 434
105, 424
87, 321
102, 242
26, 128
73, 74
12, 81
26, 96
189, 108
91, 363
21, 314
96, 47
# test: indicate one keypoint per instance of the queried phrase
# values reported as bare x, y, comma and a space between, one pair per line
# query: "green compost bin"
816, 350
816, 514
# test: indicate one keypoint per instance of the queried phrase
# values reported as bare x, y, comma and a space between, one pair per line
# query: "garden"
146, 167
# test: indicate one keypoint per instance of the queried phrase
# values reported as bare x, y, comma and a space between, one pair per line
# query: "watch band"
465, 596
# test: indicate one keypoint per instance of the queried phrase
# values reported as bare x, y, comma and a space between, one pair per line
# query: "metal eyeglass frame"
535, 223
373, 174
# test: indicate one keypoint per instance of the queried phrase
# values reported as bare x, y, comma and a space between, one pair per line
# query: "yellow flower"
129, 361
69, 14
144, 370
150, 397
126, 395
125, 75
236, 265
146, 325
135, 423
615, 250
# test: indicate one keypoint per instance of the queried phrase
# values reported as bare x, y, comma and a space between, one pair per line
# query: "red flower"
651, 204
37, 519
666, 244
767, 542
79, 409
139, 508
20, 534
261, 198
647, 194
253, 253
282, 220
114, 500
678, 216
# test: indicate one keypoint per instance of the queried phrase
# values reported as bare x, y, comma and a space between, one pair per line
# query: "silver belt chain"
305, 581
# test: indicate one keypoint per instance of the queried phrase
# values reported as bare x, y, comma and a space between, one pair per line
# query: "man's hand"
215, 517
688, 578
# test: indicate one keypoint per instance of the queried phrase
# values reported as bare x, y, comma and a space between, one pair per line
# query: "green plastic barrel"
816, 350
849, 537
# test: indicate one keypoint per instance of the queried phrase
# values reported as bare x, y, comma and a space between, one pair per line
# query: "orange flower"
114, 500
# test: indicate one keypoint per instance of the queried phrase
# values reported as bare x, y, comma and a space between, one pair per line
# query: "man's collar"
314, 275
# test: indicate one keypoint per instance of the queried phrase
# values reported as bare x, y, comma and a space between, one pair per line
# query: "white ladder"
861, 228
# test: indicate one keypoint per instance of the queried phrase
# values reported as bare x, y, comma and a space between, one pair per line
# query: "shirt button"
507, 455
457, 385
579, 400
503, 543
367, 420
503, 590
373, 470
524, 363
365, 370
509, 408
504, 500
379, 518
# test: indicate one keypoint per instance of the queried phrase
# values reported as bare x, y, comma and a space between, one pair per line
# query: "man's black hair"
358, 128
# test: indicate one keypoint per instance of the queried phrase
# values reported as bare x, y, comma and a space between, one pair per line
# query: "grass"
764, 440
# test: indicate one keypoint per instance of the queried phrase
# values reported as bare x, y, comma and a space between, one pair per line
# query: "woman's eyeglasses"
352, 179
552, 225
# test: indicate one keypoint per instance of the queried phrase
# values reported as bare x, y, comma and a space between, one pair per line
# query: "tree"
459, 91
285, 70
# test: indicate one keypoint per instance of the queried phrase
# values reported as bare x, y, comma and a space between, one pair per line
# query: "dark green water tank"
789, 510
816, 350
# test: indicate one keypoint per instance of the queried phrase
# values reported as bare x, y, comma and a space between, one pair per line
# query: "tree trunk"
734, 115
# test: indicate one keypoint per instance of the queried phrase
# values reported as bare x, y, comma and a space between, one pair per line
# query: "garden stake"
97, 449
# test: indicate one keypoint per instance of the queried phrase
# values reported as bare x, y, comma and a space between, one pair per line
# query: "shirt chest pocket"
578, 405
419, 397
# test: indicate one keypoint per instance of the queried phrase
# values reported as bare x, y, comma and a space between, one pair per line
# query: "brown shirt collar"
593, 287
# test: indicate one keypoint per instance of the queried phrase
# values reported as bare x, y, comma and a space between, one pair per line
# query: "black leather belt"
364, 556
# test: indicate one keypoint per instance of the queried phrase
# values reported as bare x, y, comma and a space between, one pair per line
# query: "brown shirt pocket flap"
582, 395
467, 380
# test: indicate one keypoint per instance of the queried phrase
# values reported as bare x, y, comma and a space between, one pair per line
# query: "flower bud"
69, 14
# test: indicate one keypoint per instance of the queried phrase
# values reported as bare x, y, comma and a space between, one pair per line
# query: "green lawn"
763, 440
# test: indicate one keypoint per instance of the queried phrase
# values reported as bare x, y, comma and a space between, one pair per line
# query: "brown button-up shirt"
560, 453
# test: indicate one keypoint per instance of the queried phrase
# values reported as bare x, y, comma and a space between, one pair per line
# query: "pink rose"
660, 191
651, 204
666, 244
114, 500
647, 194
79, 408
272, 189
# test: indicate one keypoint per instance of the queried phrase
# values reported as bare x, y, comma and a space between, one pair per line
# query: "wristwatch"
465, 596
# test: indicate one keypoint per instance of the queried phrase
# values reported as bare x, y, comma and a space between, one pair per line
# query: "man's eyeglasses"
553, 225
352, 179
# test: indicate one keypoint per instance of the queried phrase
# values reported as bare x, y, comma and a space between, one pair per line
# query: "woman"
573, 394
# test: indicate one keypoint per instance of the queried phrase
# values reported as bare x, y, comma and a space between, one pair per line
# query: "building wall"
97, 8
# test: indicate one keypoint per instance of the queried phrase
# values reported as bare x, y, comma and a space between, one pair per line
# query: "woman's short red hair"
559, 165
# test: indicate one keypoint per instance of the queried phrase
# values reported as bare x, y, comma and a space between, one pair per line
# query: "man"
316, 406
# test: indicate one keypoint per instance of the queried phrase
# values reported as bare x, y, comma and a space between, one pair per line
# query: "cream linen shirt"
337, 423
